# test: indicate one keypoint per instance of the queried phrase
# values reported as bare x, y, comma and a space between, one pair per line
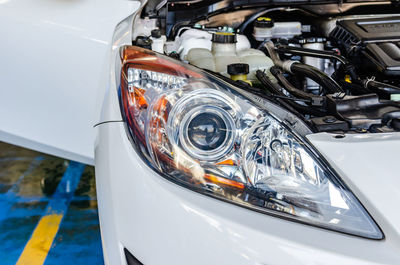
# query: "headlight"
206, 135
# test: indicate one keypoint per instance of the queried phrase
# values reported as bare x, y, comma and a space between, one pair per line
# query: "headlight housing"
209, 136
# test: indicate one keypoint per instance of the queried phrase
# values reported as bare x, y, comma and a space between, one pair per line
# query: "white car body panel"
55, 69
160, 222
59, 79
369, 165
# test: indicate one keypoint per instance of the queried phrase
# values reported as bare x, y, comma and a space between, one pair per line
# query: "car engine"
337, 70
374, 40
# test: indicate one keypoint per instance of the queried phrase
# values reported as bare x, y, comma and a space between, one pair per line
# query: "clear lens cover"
201, 132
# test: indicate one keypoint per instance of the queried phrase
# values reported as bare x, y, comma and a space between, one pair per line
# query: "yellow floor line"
38, 246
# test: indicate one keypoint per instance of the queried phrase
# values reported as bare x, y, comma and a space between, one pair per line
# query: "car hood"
369, 165
247, 3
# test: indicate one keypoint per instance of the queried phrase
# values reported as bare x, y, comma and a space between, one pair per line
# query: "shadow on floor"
29, 183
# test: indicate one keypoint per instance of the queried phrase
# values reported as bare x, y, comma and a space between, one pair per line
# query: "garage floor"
48, 210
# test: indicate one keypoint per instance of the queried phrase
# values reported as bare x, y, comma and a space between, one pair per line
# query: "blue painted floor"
34, 186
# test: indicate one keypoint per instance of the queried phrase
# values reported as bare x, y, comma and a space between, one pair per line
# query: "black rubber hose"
314, 99
265, 81
382, 89
274, 89
347, 66
262, 93
388, 117
269, 45
302, 69
311, 52
318, 76
395, 124
356, 89
268, 84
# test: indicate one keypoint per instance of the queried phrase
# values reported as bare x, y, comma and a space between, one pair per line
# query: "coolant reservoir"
224, 52
197, 38
223, 49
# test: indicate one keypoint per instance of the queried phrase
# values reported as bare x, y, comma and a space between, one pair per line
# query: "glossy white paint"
369, 165
163, 223
55, 65
58, 67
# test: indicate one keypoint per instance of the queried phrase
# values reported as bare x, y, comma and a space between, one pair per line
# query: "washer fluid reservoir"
224, 52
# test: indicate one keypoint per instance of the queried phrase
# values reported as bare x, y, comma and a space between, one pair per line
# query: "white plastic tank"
198, 38
158, 40
143, 27
223, 49
224, 52
265, 28
202, 58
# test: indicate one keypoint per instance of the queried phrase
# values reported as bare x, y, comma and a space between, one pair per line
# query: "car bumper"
160, 222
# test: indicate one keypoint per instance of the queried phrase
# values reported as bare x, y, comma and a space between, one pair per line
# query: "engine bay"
336, 68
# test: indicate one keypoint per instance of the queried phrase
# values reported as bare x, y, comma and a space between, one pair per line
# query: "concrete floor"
48, 210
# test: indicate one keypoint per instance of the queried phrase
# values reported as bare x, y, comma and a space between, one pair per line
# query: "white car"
222, 132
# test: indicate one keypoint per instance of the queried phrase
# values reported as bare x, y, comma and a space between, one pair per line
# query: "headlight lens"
205, 131
204, 134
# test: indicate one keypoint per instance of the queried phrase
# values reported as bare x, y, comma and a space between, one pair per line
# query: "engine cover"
375, 42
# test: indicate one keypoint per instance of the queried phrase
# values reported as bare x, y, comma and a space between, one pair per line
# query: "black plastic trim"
130, 259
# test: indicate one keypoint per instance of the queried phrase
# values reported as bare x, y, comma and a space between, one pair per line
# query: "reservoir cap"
238, 69
264, 22
224, 37
156, 33
144, 42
